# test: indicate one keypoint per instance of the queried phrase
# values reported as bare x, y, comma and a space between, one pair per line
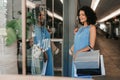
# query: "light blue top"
40, 34
82, 38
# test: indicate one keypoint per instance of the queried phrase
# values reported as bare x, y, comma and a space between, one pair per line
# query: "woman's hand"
71, 50
31, 42
50, 31
45, 56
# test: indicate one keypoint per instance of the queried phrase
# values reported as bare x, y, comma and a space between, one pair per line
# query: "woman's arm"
92, 39
92, 36
75, 30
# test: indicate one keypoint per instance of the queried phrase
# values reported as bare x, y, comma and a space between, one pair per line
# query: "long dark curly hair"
90, 14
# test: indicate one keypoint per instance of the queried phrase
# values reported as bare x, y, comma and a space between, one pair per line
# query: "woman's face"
82, 16
41, 17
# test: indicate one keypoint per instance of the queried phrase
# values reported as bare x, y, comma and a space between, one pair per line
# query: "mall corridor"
110, 49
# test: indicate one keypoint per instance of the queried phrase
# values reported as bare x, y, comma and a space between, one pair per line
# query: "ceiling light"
49, 13
94, 4
30, 4
103, 27
55, 15
115, 13
61, 1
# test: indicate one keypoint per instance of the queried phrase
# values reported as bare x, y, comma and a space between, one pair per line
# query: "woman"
42, 39
85, 36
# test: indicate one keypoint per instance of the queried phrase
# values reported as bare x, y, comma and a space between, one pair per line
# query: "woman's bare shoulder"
92, 27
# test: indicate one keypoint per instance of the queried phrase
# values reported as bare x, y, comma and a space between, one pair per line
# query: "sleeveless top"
41, 34
82, 38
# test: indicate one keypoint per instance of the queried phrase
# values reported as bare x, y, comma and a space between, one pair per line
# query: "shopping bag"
93, 72
87, 60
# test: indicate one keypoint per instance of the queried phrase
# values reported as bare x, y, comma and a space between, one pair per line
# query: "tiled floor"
110, 49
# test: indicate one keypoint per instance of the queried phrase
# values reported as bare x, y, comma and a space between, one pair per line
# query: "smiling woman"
85, 37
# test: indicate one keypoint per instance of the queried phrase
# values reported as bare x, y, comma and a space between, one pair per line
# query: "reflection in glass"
54, 27
39, 42
11, 42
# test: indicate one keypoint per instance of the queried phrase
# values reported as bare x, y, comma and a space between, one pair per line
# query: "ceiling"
84, 2
58, 6
104, 8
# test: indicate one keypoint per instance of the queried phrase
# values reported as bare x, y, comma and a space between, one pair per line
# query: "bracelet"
90, 47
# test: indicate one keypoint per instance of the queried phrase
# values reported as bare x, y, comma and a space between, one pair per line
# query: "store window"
11, 44
53, 21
